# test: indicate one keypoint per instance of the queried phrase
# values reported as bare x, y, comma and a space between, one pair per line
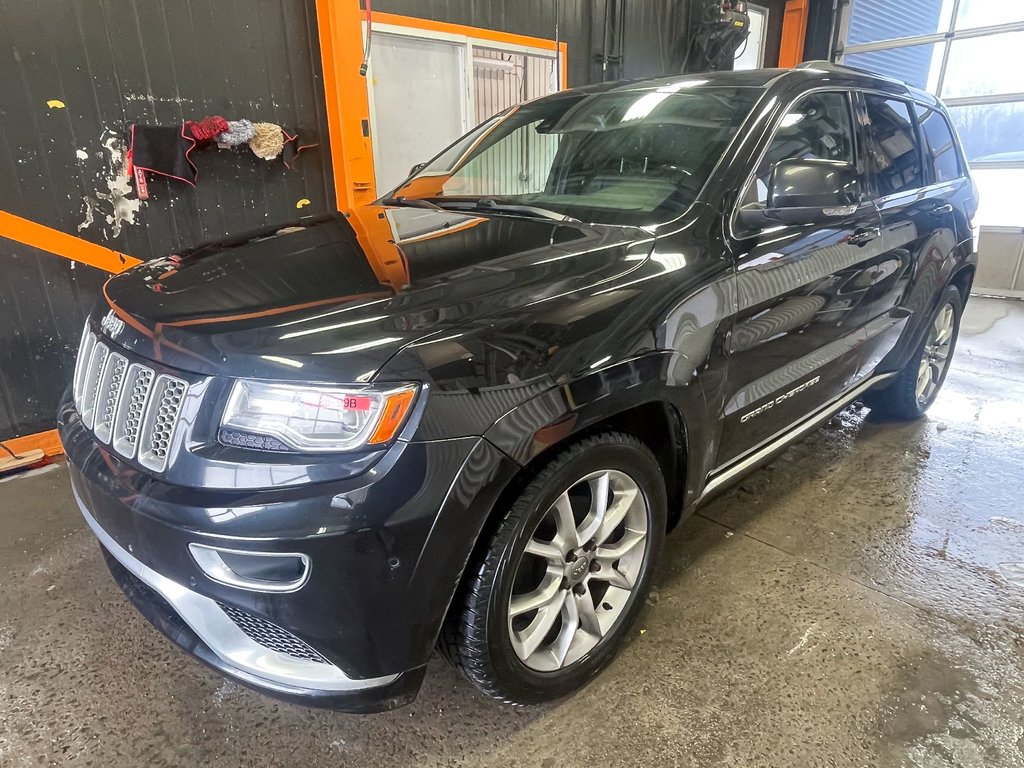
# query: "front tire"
917, 385
564, 575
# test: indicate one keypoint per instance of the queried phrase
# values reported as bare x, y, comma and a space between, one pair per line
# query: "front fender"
551, 417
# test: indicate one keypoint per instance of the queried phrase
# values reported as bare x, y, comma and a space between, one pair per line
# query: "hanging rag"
163, 150
268, 142
206, 129
238, 132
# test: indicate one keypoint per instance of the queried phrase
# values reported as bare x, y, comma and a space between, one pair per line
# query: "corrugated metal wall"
874, 20
113, 62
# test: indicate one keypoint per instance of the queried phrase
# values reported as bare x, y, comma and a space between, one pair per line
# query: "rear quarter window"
940, 149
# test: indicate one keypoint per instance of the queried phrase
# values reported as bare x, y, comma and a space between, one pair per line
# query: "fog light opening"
255, 571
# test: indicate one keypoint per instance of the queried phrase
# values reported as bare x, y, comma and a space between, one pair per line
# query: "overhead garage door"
966, 52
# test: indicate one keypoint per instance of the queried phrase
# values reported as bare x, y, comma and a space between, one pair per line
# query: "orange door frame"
794, 33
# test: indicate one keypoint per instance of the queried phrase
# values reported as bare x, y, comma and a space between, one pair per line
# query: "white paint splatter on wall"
114, 205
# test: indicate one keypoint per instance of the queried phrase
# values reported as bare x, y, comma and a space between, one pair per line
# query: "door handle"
941, 209
864, 236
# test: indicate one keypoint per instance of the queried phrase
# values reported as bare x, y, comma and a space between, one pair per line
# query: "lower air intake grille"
271, 636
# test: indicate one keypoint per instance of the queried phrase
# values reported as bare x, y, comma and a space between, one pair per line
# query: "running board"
719, 479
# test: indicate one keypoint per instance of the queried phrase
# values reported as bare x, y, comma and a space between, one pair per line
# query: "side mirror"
417, 168
806, 192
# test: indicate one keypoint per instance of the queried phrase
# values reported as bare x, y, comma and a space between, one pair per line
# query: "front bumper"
387, 550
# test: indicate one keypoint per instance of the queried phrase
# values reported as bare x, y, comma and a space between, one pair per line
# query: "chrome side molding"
723, 476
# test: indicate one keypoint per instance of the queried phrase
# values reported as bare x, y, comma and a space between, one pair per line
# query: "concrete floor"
860, 602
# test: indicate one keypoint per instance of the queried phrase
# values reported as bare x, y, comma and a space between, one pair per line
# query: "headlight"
319, 419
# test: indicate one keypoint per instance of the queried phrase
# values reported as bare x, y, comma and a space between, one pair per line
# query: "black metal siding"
113, 62
43, 299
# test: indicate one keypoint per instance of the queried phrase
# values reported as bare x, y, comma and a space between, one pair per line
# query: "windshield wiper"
487, 204
410, 202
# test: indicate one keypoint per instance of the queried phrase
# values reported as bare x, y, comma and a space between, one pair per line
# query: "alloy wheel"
935, 357
576, 578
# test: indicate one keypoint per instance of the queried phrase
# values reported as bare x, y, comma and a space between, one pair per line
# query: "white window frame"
766, 12
468, 42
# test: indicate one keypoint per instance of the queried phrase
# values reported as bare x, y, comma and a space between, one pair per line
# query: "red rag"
207, 128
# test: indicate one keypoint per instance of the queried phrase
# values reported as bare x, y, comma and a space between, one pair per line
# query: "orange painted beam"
340, 29
62, 244
48, 442
794, 33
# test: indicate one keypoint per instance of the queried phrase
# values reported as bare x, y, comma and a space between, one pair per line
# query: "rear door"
796, 342
915, 198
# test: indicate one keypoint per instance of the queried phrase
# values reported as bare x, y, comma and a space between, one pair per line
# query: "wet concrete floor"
859, 602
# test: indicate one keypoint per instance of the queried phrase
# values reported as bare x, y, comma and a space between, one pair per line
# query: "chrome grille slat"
128, 419
93, 376
161, 418
81, 365
109, 393
127, 404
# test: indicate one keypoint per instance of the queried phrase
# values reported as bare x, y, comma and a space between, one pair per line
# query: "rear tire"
564, 575
917, 385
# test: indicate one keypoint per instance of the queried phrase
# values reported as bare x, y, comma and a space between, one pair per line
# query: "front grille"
271, 636
127, 405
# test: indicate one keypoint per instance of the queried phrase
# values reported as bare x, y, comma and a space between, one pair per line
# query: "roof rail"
819, 64
831, 66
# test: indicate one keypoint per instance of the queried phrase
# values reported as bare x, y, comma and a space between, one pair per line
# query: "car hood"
333, 299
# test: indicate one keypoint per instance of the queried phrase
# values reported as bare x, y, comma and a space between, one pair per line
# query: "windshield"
624, 157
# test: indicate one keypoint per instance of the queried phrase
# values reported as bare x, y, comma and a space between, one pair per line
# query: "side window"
941, 148
817, 127
891, 148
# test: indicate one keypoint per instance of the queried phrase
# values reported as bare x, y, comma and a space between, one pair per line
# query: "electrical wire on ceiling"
369, 40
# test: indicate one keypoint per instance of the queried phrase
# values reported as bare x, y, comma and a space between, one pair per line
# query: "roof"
806, 73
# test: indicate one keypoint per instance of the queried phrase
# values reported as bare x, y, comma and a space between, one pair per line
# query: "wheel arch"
963, 280
633, 397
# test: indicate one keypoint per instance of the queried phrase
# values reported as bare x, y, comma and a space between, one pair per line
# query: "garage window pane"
917, 65
983, 66
986, 13
991, 133
875, 20
999, 196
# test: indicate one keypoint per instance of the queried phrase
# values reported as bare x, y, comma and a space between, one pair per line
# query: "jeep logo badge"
111, 324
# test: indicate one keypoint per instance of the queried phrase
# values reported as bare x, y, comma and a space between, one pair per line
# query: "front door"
796, 341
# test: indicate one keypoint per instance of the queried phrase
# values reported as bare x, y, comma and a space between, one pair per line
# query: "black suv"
465, 416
